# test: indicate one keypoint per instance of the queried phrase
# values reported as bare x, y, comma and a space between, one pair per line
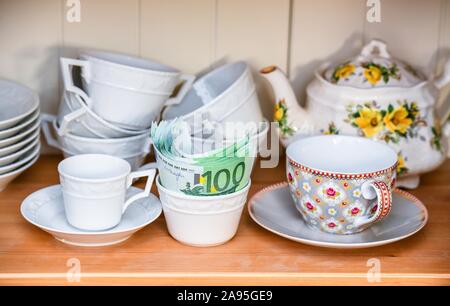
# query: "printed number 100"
222, 178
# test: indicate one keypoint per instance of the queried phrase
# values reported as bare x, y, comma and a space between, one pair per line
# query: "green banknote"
221, 171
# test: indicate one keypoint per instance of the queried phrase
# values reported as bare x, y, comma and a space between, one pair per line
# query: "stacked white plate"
19, 130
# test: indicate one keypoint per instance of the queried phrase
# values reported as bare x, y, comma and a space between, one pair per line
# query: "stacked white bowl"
225, 95
19, 130
111, 111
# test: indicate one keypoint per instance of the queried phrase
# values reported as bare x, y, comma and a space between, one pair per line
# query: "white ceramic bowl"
30, 155
76, 118
22, 126
9, 159
22, 136
202, 221
82, 145
16, 103
7, 178
227, 94
18, 146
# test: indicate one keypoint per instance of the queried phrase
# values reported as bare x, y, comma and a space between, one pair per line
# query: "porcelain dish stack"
112, 108
19, 130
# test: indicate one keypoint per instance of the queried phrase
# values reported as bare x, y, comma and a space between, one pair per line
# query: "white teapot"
374, 96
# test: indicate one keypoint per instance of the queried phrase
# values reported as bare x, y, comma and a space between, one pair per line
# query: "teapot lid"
373, 68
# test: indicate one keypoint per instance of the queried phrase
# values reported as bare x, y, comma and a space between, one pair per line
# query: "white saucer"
273, 209
45, 209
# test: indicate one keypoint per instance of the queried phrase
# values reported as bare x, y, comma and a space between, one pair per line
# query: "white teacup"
124, 90
76, 118
94, 189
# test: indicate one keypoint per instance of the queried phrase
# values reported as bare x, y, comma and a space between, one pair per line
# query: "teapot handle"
440, 83
375, 44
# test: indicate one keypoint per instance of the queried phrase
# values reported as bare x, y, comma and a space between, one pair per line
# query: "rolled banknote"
217, 172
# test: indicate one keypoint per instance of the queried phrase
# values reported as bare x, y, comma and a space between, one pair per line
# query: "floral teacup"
341, 184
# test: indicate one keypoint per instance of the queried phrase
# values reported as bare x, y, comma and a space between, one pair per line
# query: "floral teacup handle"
383, 193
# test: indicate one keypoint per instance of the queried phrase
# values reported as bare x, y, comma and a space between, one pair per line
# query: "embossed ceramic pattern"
272, 208
341, 184
378, 98
45, 209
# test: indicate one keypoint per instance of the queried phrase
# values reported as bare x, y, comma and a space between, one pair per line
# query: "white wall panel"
411, 30
255, 31
105, 24
323, 30
178, 32
30, 37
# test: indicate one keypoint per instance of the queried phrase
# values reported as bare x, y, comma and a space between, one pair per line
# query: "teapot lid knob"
375, 47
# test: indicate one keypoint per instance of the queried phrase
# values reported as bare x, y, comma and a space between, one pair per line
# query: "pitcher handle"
66, 66
150, 174
188, 80
382, 192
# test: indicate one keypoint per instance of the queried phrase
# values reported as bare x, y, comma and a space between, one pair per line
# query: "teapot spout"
281, 86
289, 115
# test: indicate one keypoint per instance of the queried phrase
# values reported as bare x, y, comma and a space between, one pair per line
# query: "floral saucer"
45, 209
273, 209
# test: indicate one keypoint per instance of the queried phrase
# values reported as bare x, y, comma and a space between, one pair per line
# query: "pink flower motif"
331, 192
331, 225
355, 211
309, 206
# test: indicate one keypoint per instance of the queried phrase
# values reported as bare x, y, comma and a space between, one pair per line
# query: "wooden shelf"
254, 257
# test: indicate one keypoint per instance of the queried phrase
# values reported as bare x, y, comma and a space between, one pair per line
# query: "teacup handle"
67, 119
66, 66
46, 120
187, 84
382, 192
150, 174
